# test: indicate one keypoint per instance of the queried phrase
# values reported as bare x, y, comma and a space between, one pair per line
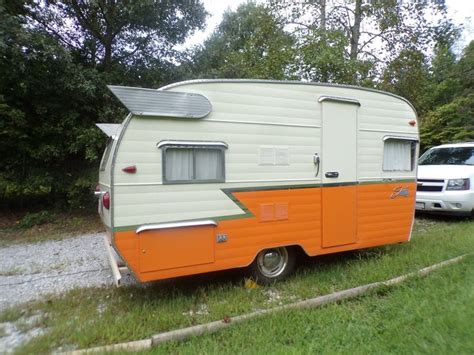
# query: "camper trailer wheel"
272, 265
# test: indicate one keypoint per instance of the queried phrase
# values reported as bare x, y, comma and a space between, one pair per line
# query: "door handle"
332, 174
316, 161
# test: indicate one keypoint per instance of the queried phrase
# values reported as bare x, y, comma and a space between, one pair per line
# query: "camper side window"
187, 163
105, 157
399, 154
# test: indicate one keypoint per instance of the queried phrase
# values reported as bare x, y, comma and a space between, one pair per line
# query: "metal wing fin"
110, 129
156, 103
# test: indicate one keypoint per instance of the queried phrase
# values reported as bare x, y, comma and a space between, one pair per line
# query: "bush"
35, 219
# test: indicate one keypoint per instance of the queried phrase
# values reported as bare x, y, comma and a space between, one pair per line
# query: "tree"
370, 34
408, 76
443, 83
452, 96
464, 70
449, 123
105, 32
249, 43
55, 61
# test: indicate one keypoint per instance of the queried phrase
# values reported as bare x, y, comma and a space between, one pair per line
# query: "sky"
461, 11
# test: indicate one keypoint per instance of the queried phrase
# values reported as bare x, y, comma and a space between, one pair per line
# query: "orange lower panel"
280, 218
339, 216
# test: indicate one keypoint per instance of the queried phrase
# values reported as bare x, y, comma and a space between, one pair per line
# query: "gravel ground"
31, 271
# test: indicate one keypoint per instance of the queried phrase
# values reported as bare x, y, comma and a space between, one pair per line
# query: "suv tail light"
106, 200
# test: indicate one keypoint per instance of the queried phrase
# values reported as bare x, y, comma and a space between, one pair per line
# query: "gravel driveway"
31, 271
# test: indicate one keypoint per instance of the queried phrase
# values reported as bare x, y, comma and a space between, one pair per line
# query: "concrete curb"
184, 333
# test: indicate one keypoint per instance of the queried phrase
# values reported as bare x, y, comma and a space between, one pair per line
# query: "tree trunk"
322, 30
107, 62
355, 36
355, 30
108, 13
322, 18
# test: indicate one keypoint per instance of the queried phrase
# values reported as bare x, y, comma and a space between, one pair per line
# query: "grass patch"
425, 315
11, 315
12, 272
92, 317
44, 225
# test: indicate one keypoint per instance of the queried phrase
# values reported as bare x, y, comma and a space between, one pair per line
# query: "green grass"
25, 229
92, 317
434, 314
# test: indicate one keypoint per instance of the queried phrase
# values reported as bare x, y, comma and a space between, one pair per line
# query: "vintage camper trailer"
209, 175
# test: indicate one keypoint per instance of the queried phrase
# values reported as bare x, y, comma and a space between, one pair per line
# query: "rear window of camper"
105, 157
399, 154
193, 162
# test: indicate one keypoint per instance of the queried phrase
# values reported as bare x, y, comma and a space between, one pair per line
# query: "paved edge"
184, 333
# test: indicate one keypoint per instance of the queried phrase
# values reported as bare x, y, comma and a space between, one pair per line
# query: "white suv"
446, 179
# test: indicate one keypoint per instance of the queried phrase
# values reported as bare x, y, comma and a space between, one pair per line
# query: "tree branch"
53, 31
377, 59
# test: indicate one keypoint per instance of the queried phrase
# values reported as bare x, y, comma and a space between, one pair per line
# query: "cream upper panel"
379, 114
249, 115
297, 104
242, 158
265, 103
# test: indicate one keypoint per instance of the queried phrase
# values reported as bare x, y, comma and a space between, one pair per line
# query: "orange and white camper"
210, 175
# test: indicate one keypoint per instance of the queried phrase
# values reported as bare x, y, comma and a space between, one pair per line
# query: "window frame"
193, 145
106, 155
413, 149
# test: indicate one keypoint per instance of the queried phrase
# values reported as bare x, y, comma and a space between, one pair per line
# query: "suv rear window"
448, 156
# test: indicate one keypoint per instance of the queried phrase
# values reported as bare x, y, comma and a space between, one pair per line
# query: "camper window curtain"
193, 164
209, 164
397, 155
179, 164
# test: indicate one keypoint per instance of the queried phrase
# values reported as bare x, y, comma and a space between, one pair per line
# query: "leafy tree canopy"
359, 38
105, 32
56, 59
451, 97
249, 43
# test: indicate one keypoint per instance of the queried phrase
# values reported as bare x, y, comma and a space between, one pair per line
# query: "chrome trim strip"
264, 123
413, 139
435, 184
385, 131
345, 100
191, 143
112, 173
148, 227
315, 180
387, 179
125, 123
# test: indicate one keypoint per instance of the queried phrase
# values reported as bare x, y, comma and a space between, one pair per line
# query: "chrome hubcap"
272, 262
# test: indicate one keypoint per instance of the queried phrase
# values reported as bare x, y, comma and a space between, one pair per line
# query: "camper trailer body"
205, 175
